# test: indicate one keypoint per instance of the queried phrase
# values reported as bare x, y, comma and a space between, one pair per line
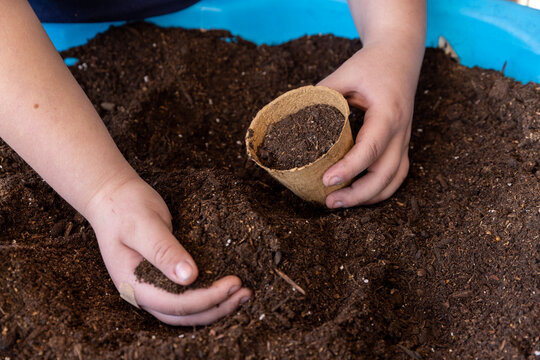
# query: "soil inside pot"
301, 138
445, 268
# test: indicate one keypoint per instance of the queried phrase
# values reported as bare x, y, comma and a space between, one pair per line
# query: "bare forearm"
390, 19
397, 29
46, 117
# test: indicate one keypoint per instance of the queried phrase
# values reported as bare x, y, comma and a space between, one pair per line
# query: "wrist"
404, 46
95, 206
391, 22
384, 20
414, 35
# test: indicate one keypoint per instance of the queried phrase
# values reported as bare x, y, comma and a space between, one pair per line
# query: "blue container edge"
487, 34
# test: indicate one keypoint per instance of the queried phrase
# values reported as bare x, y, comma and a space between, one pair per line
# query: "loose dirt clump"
446, 268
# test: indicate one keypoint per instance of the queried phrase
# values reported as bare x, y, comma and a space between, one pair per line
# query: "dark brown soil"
446, 268
301, 138
146, 272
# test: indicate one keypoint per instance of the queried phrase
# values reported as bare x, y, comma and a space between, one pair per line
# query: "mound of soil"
446, 268
301, 138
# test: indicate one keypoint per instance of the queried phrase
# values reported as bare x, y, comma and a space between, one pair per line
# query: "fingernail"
244, 300
233, 289
184, 270
336, 180
338, 204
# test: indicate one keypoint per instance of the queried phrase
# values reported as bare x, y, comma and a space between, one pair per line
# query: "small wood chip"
277, 258
107, 106
461, 294
290, 281
58, 228
442, 181
412, 354
68, 229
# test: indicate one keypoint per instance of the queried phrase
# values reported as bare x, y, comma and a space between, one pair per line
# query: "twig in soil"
412, 354
263, 184
351, 276
183, 88
280, 304
290, 281
442, 181
184, 91
461, 294
68, 229
77, 349
437, 103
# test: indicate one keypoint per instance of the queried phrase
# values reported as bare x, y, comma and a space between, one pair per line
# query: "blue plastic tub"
487, 33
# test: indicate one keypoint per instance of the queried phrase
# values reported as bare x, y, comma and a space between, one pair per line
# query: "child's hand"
131, 221
380, 78
373, 80
47, 118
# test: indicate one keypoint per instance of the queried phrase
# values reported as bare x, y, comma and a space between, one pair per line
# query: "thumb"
155, 242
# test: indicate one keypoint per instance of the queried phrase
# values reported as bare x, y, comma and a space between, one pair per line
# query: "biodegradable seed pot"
305, 181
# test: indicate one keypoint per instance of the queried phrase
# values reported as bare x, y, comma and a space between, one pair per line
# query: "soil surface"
301, 138
446, 268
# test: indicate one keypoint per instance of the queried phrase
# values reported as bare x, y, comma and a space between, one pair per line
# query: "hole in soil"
226, 232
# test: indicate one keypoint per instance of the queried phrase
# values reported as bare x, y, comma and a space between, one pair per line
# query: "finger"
206, 317
371, 142
379, 176
394, 185
400, 176
188, 302
155, 242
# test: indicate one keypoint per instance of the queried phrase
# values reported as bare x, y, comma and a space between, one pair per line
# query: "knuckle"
374, 150
397, 106
403, 175
357, 196
346, 167
371, 148
162, 251
386, 178
403, 169
179, 310
176, 309
397, 110
406, 165
347, 162
397, 116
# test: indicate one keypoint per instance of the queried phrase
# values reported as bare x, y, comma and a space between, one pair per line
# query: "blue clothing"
104, 10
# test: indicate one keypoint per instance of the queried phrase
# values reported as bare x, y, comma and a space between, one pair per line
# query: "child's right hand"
132, 222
